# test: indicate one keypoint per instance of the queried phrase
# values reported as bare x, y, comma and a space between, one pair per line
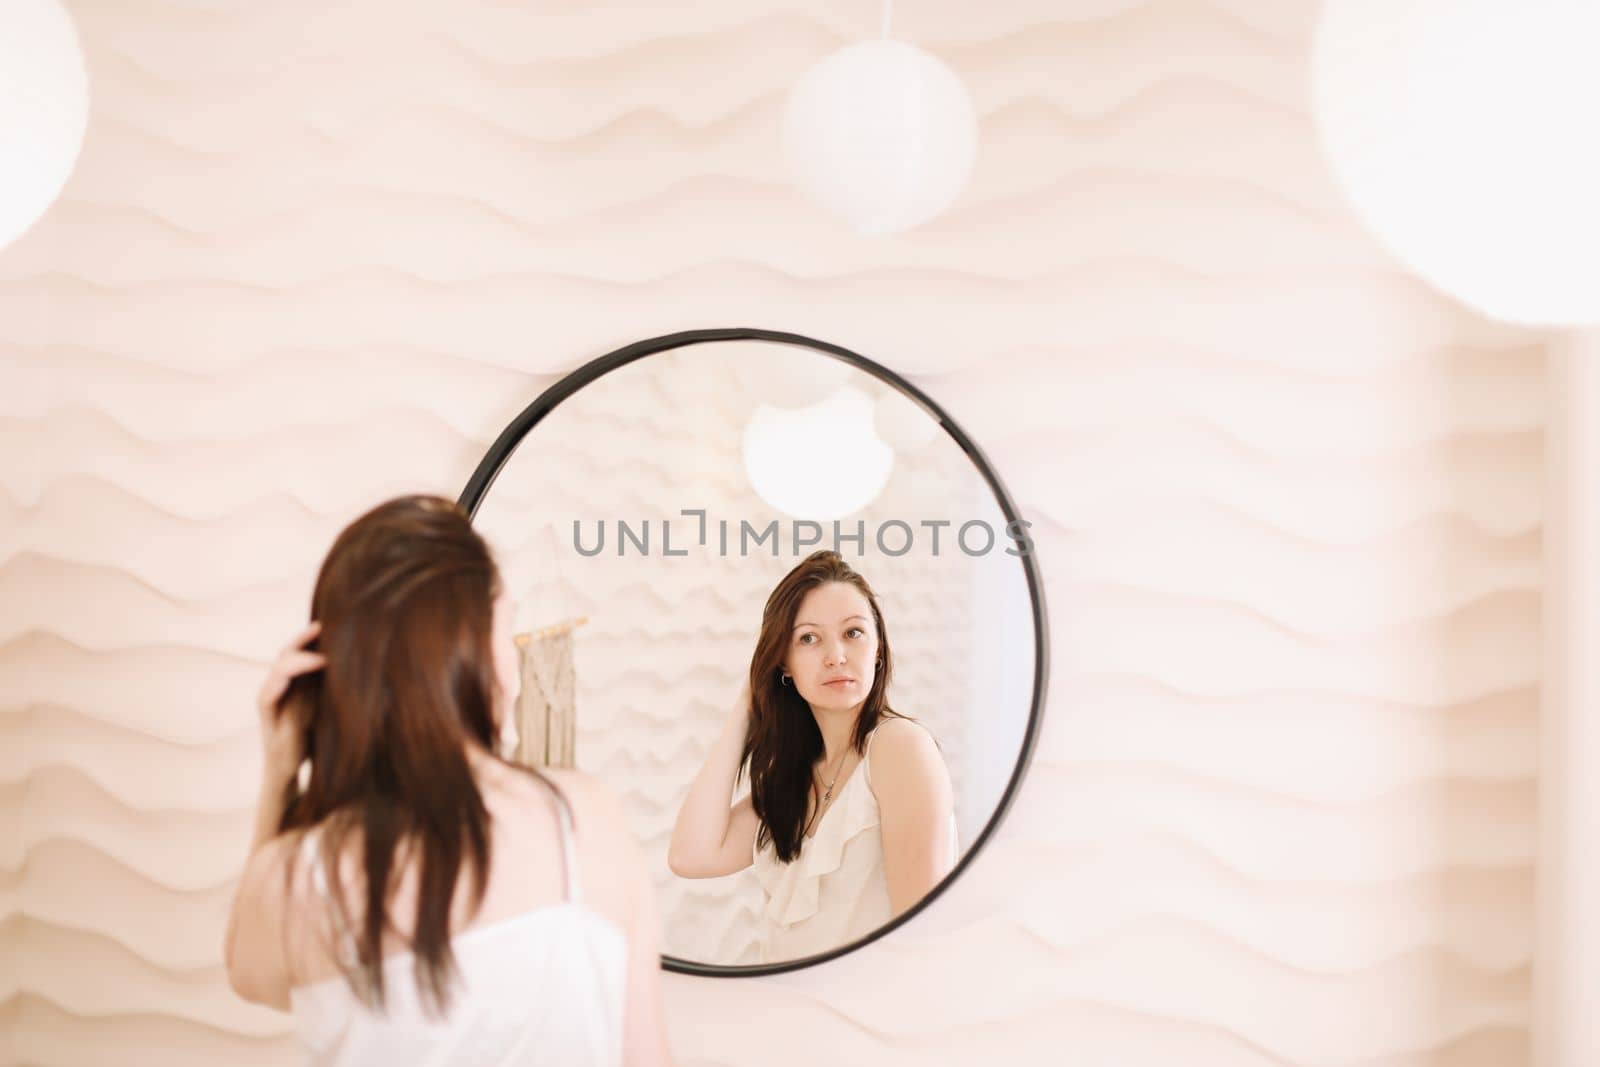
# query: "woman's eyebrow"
847, 618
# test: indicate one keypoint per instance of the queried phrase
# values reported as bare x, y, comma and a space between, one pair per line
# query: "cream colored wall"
1287, 501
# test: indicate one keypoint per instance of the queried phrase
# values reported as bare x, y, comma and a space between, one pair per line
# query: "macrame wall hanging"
546, 709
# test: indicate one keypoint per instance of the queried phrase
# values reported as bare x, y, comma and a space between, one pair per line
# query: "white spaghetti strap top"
543, 987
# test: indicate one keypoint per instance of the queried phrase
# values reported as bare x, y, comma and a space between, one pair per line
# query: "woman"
850, 817
417, 899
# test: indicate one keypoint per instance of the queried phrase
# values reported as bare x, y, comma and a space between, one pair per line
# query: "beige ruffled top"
836, 892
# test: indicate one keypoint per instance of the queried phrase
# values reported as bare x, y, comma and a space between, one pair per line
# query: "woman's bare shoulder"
597, 815
608, 854
903, 748
899, 734
588, 797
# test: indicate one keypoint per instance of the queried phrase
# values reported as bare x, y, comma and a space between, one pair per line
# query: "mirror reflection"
768, 600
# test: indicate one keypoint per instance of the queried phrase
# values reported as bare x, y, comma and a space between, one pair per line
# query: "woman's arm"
710, 838
644, 1026
253, 947
915, 804
618, 885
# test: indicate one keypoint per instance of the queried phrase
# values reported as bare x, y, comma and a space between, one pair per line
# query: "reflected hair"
406, 601
784, 742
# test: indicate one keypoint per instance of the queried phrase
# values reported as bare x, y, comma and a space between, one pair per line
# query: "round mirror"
773, 597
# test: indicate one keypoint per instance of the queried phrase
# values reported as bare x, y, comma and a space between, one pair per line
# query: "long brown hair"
784, 742
405, 598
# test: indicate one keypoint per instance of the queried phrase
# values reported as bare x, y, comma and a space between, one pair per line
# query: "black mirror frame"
506, 444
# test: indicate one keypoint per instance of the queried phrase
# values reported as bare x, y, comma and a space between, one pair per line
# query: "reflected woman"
850, 818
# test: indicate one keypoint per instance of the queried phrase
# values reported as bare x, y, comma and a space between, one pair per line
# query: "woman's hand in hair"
710, 838
254, 945
280, 733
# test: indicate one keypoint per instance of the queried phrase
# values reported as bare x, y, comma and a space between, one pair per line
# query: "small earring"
509, 737
786, 680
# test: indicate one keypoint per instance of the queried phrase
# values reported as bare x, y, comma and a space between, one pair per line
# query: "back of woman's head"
406, 601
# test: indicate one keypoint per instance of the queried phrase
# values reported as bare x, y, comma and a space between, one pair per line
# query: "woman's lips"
841, 681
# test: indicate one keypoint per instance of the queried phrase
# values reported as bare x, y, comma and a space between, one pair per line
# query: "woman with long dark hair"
410, 896
850, 816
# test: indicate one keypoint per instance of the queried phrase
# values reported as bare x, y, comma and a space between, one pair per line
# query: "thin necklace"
827, 794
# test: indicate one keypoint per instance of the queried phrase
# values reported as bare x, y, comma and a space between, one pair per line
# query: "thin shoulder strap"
569, 851
866, 745
310, 853
866, 752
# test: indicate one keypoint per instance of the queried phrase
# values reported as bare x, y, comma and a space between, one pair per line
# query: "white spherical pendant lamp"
1464, 132
882, 134
44, 110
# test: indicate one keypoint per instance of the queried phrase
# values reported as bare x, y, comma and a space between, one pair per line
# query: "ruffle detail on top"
793, 889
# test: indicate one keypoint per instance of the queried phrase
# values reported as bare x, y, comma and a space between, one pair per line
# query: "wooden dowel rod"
553, 629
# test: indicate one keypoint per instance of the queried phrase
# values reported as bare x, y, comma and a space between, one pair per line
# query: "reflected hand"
280, 733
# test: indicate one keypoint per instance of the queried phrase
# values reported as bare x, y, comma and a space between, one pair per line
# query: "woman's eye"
858, 630
806, 637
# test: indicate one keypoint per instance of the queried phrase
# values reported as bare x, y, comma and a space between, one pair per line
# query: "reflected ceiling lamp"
821, 462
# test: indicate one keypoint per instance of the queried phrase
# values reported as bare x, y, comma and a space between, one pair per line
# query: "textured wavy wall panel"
1287, 501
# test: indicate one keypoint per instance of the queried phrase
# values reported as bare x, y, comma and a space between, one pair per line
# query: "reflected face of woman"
833, 647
